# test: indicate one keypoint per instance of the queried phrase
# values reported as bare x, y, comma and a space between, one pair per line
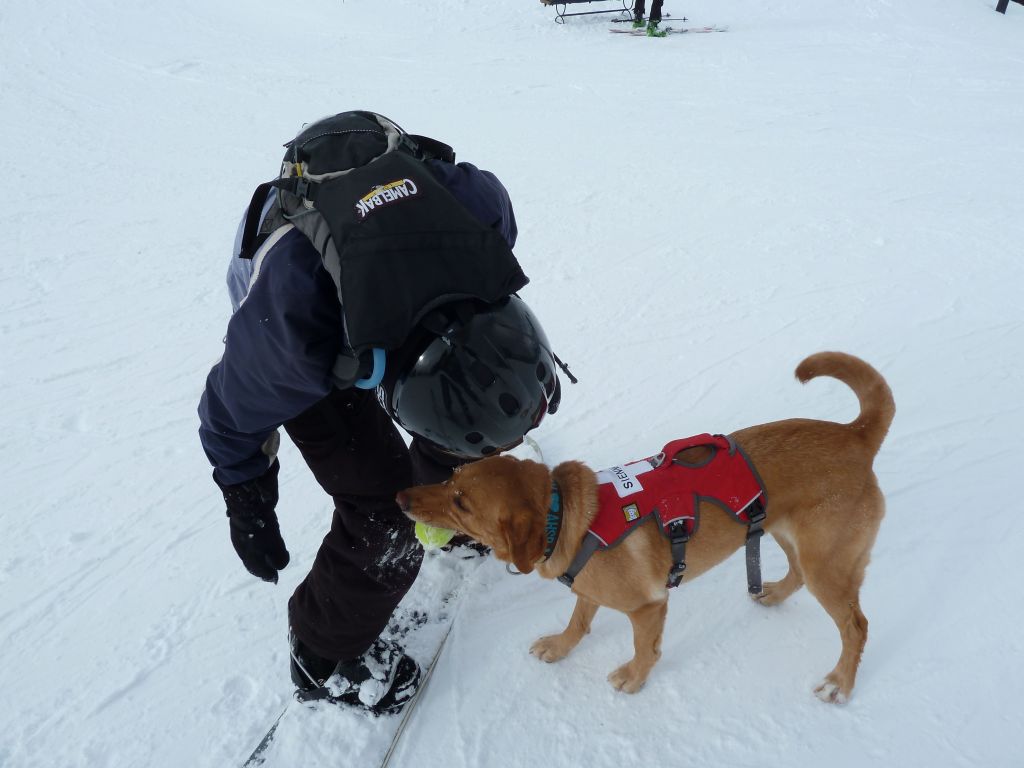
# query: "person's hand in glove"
255, 533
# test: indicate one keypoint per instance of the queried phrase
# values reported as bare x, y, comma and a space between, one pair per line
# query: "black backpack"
395, 241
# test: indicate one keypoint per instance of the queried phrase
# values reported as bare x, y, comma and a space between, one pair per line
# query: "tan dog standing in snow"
824, 509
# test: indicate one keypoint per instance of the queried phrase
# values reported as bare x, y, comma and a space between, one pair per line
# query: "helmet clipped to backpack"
475, 379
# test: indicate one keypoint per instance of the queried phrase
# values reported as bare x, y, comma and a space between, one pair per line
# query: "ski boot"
653, 31
638, 21
381, 681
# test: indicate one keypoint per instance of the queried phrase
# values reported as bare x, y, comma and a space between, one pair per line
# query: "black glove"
255, 533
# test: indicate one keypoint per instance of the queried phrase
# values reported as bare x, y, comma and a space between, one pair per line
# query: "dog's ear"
524, 527
524, 538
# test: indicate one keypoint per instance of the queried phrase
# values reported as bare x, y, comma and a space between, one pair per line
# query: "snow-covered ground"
697, 214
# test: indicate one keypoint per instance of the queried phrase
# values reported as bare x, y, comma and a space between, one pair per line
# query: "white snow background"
697, 214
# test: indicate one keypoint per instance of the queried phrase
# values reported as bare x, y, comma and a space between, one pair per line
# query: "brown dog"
824, 509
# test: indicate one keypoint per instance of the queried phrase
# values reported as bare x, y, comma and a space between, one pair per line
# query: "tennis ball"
432, 537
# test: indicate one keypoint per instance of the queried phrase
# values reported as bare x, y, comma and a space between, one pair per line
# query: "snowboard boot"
381, 681
653, 31
465, 547
308, 671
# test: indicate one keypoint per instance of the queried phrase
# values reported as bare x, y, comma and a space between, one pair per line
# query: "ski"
642, 32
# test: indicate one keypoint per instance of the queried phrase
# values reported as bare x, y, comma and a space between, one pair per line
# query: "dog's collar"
553, 524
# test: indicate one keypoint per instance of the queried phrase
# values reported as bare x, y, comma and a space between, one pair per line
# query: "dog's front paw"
627, 678
831, 692
550, 648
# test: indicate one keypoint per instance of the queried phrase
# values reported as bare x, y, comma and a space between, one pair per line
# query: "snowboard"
307, 733
304, 732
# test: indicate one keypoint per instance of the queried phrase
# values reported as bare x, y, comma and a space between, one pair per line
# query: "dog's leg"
557, 647
834, 570
775, 592
853, 629
648, 623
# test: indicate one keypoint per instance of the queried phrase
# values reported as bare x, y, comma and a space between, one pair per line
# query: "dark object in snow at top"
622, 6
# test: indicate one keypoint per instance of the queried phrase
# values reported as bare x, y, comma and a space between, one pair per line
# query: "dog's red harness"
669, 490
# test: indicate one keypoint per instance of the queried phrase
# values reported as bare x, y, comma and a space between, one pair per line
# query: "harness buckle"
677, 532
756, 516
678, 535
675, 574
566, 579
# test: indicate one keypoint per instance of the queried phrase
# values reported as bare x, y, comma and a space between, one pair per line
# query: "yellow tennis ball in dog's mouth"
432, 537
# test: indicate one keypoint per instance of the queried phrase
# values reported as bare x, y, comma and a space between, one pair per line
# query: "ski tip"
680, 30
642, 32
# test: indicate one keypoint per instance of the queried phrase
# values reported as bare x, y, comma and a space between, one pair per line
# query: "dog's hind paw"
830, 692
774, 592
769, 595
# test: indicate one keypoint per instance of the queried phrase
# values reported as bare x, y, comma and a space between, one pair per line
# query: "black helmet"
475, 379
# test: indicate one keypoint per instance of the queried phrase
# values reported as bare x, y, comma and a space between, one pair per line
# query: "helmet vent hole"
542, 371
484, 376
474, 438
508, 404
488, 450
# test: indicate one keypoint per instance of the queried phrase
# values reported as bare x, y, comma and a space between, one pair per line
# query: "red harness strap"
669, 490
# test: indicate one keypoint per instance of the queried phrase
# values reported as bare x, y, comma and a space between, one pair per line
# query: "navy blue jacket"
286, 333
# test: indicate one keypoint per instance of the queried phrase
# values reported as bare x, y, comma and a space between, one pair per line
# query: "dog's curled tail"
877, 406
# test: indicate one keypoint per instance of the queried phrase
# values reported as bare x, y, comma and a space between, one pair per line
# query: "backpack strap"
251, 237
432, 149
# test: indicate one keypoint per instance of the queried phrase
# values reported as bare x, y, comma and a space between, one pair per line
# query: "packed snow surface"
696, 214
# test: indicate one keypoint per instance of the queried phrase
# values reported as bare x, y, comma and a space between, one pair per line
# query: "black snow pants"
370, 557
639, 6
